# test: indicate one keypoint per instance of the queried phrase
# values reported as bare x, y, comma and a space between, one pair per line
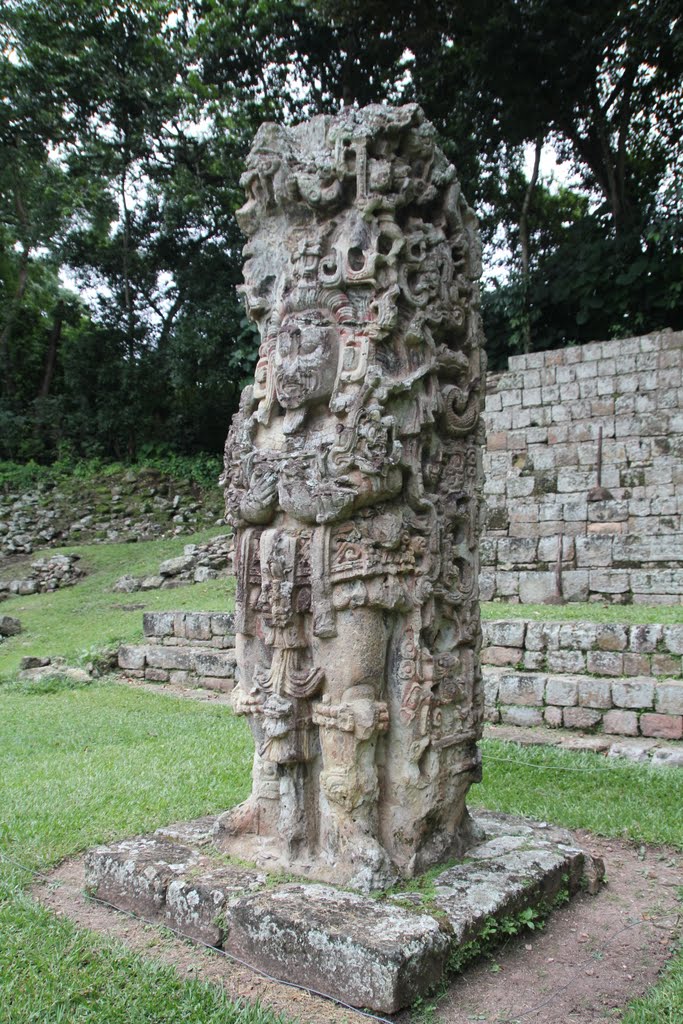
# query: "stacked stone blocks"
184, 648
543, 419
622, 679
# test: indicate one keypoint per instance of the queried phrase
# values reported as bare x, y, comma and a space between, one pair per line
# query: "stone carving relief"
352, 480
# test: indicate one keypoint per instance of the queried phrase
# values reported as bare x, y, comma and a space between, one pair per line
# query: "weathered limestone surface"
381, 954
353, 478
621, 679
543, 418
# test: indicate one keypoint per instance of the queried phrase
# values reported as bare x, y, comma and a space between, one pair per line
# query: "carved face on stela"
305, 359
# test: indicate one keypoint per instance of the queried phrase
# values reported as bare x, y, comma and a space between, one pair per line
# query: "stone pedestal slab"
372, 952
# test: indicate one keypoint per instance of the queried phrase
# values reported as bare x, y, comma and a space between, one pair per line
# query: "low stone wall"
543, 418
184, 648
624, 680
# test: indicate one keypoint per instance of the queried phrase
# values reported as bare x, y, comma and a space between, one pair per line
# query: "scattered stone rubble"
381, 954
9, 626
136, 505
197, 564
34, 669
46, 574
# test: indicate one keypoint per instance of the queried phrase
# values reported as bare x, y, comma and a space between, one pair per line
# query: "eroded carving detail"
352, 480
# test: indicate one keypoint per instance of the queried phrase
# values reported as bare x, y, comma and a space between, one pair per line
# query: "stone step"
592, 648
210, 667
637, 706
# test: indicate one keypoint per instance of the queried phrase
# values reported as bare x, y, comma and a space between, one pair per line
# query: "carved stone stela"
352, 480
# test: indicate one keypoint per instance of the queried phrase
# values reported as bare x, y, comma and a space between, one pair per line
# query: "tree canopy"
123, 129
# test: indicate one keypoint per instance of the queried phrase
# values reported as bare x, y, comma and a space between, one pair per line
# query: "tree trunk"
53, 346
524, 247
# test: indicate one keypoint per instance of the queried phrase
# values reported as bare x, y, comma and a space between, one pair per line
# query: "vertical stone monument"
352, 480
352, 477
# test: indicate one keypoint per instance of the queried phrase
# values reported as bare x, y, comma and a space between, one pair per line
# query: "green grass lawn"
79, 621
81, 765
635, 614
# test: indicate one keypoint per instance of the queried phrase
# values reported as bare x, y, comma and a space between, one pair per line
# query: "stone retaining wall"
623, 680
619, 679
184, 648
543, 419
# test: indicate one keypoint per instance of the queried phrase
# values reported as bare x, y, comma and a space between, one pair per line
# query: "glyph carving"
352, 481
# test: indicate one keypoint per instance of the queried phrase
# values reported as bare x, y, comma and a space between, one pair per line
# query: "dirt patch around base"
593, 957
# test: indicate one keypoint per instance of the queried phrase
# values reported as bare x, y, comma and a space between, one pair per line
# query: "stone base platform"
377, 952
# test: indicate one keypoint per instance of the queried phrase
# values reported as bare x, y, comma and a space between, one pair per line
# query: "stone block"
622, 723
487, 585
501, 656
223, 684
171, 658
553, 717
581, 718
158, 623
151, 582
666, 665
611, 637
644, 639
562, 690
542, 636
609, 581
223, 624
667, 758
637, 665
350, 946
131, 657
215, 663
507, 633
578, 635
666, 727
605, 663
566, 661
174, 566
156, 675
575, 585
595, 693
198, 626
537, 587
633, 693
669, 697
533, 661
594, 551
180, 678
673, 639
490, 681
521, 716
515, 688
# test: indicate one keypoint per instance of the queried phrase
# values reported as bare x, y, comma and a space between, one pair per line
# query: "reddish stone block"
623, 723
666, 727
497, 442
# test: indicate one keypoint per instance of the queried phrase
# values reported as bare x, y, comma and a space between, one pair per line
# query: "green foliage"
123, 136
